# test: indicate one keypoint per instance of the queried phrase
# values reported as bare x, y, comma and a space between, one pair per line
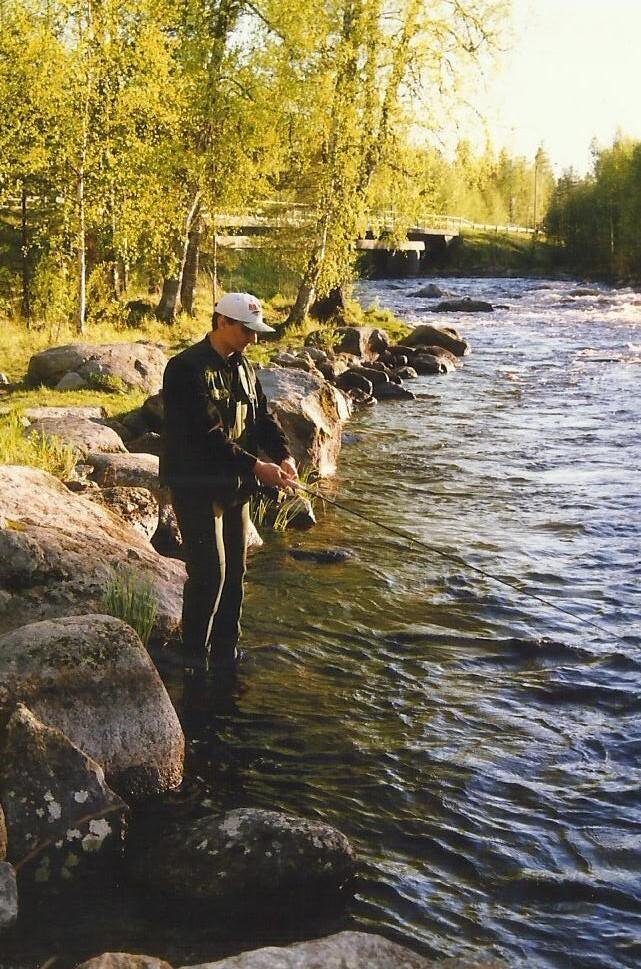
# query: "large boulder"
345, 950
125, 470
366, 342
426, 335
87, 412
61, 814
59, 550
8, 896
138, 366
244, 860
82, 434
91, 678
311, 412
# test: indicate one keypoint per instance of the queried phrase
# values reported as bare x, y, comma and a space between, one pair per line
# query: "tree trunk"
24, 257
169, 305
307, 289
190, 271
82, 254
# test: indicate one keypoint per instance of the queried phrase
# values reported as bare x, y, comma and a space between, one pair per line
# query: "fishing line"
399, 533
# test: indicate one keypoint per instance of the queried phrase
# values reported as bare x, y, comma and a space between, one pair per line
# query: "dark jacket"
215, 422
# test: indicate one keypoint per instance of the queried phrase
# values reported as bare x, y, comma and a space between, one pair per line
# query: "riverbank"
64, 727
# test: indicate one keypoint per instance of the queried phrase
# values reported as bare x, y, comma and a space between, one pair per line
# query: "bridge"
426, 240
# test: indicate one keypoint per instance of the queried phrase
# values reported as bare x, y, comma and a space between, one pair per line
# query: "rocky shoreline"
87, 729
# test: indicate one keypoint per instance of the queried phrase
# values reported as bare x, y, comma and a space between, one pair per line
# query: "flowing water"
480, 749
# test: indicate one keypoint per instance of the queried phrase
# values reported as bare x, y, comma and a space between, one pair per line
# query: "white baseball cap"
244, 308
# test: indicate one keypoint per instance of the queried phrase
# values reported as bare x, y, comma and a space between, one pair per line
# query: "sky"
573, 74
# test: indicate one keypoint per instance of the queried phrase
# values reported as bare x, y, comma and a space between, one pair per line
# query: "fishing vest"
233, 391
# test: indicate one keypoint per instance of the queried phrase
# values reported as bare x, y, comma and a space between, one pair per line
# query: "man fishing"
215, 422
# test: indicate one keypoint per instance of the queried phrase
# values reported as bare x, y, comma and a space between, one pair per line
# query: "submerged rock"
246, 861
123, 960
344, 950
465, 305
321, 556
8, 896
60, 812
91, 678
59, 550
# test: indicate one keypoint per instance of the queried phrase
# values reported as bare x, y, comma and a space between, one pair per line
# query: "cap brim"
259, 327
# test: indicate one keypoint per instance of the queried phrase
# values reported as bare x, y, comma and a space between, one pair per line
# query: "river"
480, 749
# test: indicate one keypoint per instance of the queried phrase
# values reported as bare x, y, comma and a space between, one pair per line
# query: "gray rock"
351, 380
392, 391
426, 364
87, 412
244, 860
362, 341
91, 678
406, 373
465, 305
123, 960
8, 896
127, 470
426, 335
139, 366
60, 812
584, 291
136, 506
153, 413
374, 375
446, 357
83, 435
311, 412
72, 381
345, 950
431, 291
316, 354
149, 443
3, 836
58, 550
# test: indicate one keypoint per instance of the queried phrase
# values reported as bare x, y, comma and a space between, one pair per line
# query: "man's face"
236, 335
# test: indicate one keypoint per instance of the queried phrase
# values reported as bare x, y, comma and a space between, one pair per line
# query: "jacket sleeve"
190, 409
268, 430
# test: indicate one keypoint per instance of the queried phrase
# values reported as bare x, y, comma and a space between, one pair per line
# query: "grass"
37, 451
131, 597
279, 512
485, 251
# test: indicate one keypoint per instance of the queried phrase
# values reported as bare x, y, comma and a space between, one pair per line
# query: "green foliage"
596, 218
486, 251
131, 597
42, 451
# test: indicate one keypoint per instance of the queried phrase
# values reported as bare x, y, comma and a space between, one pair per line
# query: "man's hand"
288, 467
274, 476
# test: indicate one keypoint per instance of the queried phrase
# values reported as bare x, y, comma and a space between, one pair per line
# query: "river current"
481, 750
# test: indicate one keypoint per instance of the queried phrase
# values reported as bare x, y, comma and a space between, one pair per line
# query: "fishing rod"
451, 557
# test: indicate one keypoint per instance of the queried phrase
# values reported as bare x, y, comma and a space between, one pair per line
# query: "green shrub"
44, 451
131, 597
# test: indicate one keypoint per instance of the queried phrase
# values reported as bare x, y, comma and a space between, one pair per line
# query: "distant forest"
597, 219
